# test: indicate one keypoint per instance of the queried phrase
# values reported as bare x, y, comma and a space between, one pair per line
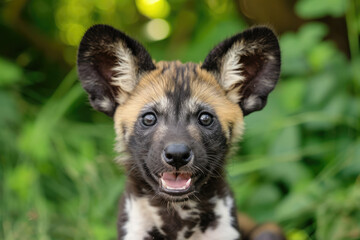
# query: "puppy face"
177, 121
177, 126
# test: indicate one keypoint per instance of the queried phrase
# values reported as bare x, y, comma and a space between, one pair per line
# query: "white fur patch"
184, 214
192, 104
106, 104
142, 217
224, 229
163, 104
231, 67
251, 101
125, 72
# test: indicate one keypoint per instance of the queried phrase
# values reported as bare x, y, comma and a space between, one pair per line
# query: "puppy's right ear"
110, 65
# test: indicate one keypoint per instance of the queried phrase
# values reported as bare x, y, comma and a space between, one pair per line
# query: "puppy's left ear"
247, 66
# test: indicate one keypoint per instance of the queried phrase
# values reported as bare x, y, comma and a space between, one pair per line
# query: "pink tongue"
173, 181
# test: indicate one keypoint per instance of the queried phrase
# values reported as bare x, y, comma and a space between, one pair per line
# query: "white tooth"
187, 184
171, 188
163, 183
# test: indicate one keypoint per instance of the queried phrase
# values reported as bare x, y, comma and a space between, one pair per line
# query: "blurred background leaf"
321, 8
299, 161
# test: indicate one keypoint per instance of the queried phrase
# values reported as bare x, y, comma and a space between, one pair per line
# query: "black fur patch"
122, 218
188, 234
155, 234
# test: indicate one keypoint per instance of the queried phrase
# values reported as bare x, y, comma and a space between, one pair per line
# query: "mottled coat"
175, 124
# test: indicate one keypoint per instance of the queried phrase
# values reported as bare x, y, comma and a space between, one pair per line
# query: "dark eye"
206, 119
148, 119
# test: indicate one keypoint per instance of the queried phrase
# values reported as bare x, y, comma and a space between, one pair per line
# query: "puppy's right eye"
148, 119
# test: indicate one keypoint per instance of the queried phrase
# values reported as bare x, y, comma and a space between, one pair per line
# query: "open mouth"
175, 182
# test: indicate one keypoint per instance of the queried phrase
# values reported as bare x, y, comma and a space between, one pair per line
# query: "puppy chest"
179, 221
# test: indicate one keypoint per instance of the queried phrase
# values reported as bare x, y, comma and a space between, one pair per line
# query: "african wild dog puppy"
175, 123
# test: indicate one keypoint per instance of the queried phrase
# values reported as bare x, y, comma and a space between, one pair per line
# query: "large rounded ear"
247, 66
110, 65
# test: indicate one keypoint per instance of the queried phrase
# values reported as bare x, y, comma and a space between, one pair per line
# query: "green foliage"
321, 8
11, 73
299, 161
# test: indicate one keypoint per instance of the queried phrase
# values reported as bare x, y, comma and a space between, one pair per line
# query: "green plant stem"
353, 29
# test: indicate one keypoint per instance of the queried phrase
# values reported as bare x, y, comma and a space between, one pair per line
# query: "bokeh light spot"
157, 29
153, 8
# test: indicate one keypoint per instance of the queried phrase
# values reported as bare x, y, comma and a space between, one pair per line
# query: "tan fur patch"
194, 132
161, 131
229, 113
151, 89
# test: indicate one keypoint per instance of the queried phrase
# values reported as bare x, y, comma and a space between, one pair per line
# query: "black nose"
177, 155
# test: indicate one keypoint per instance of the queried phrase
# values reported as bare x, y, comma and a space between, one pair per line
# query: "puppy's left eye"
149, 119
206, 119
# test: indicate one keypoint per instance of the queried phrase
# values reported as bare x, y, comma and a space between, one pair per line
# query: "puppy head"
177, 121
